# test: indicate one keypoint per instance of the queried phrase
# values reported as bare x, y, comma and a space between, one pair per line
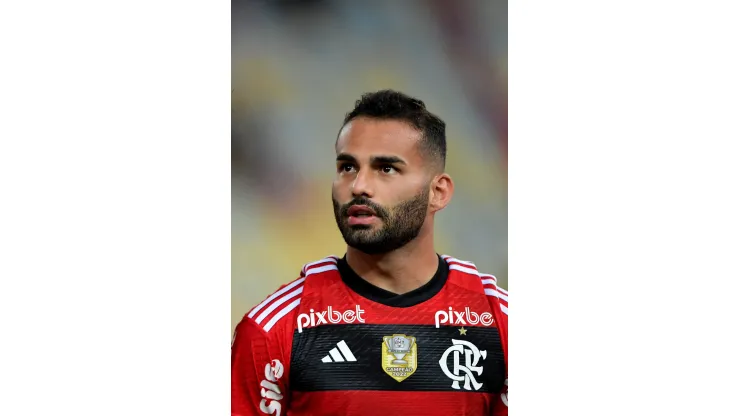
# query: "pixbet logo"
465, 364
307, 320
271, 394
462, 318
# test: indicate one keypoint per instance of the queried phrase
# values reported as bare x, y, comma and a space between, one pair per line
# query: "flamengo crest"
465, 364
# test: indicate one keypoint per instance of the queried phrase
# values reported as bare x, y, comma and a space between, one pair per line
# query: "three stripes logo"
339, 354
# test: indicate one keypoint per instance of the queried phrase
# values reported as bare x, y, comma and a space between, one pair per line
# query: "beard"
399, 225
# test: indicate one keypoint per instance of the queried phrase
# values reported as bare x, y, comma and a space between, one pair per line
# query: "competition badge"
399, 356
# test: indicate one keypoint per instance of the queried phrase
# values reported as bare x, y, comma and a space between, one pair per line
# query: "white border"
115, 207
624, 173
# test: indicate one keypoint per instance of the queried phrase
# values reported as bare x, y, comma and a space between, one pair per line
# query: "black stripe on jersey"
309, 373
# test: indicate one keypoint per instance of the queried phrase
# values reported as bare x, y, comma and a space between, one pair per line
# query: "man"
391, 327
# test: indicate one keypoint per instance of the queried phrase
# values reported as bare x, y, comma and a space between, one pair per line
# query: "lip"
360, 209
362, 220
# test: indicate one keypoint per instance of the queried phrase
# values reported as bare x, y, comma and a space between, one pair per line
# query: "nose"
361, 186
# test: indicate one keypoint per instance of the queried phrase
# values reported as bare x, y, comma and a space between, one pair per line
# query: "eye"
346, 167
388, 169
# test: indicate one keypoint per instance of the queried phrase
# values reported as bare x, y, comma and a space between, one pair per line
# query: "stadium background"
297, 68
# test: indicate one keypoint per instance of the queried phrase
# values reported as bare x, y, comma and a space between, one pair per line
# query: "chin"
360, 226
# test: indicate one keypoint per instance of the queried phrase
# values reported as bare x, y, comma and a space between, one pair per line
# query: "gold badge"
399, 356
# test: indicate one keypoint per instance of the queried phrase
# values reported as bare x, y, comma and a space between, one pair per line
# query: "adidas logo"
339, 355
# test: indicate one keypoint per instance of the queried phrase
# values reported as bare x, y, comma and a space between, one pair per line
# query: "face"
382, 187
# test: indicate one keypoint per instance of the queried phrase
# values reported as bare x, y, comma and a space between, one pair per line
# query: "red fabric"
261, 359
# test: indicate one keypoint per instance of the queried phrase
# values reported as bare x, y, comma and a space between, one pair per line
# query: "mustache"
380, 212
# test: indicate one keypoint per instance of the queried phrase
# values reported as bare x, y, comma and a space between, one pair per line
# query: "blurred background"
299, 65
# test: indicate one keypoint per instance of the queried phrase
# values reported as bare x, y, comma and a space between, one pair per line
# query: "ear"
441, 192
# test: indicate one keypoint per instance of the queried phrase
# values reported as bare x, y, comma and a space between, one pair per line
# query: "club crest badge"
399, 356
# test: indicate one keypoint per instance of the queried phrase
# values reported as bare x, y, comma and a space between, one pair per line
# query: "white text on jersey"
307, 320
462, 318
270, 392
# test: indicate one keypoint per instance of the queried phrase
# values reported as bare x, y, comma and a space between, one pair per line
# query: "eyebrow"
344, 157
390, 160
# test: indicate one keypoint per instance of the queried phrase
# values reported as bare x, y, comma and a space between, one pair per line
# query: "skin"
380, 164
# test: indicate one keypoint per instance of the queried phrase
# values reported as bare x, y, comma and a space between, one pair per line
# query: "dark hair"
394, 105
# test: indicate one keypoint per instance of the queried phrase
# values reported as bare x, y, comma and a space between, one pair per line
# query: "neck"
399, 271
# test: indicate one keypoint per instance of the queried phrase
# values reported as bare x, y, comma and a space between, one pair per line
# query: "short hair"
394, 105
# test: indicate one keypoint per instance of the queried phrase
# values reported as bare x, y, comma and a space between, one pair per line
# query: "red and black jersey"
330, 343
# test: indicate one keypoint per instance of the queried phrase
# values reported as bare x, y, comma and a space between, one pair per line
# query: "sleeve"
501, 400
258, 372
501, 403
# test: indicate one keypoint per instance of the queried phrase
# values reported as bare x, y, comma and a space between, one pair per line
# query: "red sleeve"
501, 403
500, 305
259, 371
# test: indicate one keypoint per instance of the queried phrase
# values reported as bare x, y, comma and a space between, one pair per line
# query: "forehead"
365, 137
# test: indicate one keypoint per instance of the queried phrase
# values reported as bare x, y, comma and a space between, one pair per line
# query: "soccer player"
390, 328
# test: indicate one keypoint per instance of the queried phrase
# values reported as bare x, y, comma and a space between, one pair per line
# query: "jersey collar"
382, 296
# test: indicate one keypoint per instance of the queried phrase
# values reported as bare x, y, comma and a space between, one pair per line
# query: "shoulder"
487, 282
278, 308
320, 266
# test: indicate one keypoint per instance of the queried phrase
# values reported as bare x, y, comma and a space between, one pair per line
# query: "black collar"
382, 296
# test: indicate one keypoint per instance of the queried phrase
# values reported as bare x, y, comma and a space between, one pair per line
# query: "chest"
445, 346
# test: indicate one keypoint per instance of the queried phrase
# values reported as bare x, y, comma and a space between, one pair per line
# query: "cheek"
338, 191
